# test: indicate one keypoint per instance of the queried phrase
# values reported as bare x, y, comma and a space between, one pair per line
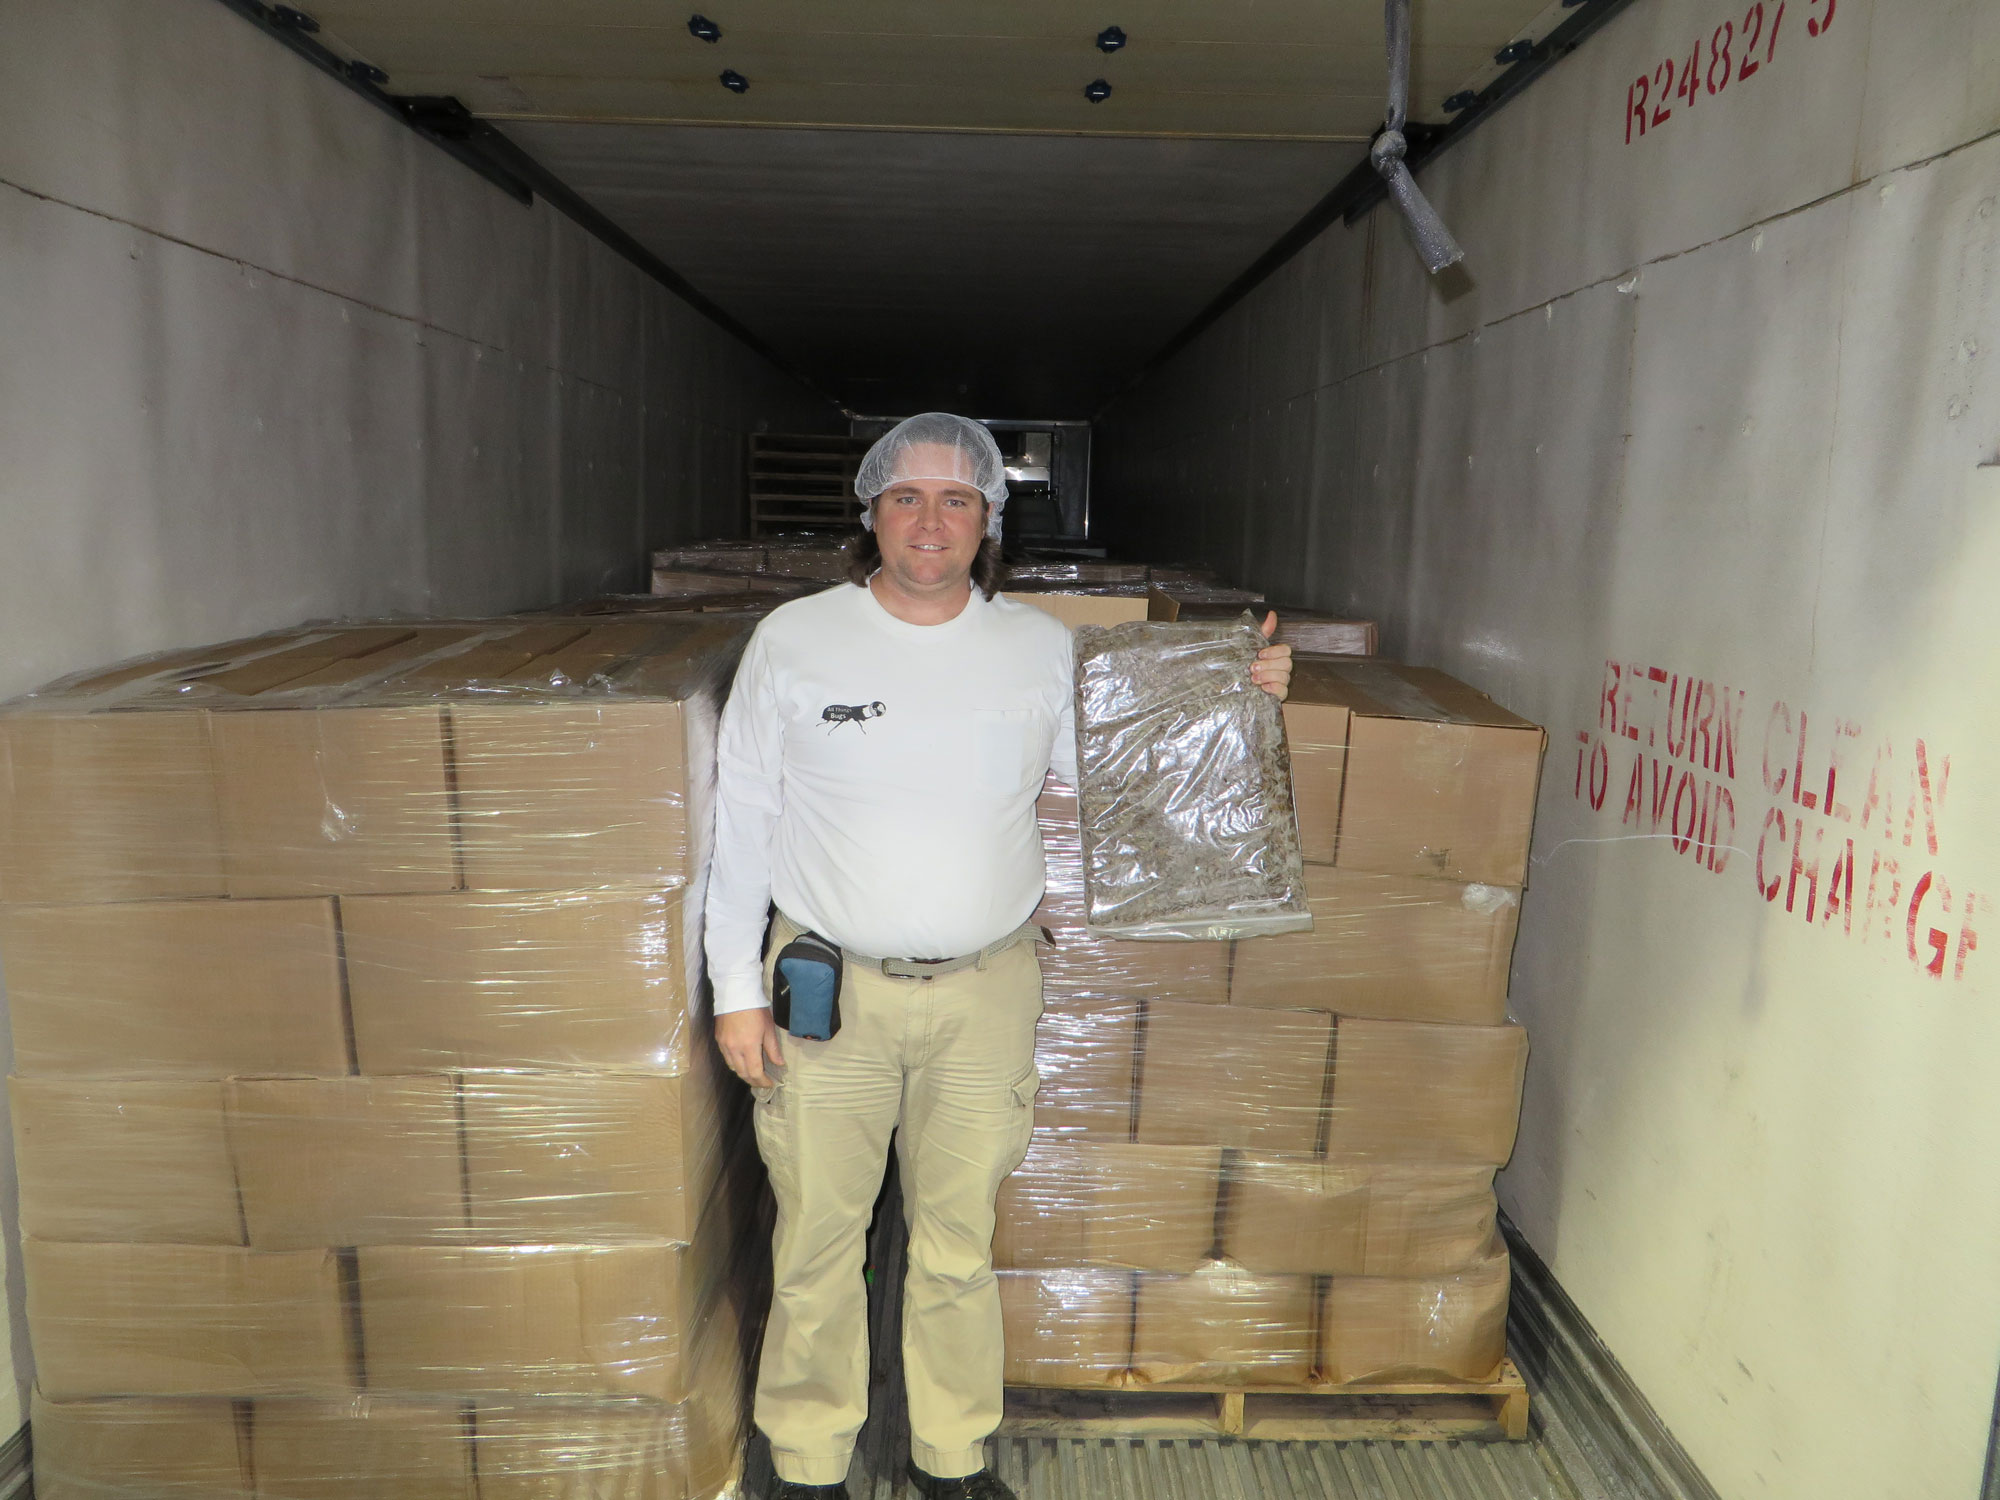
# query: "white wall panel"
162, 114
491, 537
275, 357
599, 442
1711, 406
485, 271
191, 446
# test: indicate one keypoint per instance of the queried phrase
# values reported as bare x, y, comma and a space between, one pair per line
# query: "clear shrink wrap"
1268, 1164
1304, 630
1087, 573
1188, 827
367, 1147
720, 555
365, 1141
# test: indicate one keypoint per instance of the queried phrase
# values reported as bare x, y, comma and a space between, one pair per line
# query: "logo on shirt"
858, 714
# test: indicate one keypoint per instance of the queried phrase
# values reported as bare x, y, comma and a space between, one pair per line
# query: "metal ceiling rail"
448, 125
1362, 188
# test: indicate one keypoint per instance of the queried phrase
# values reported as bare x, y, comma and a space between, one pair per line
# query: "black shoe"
785, 1489
985, 1485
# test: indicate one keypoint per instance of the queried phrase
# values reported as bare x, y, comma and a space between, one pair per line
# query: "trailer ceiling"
930, 211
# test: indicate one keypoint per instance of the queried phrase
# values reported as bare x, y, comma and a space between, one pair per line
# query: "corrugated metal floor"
1167, 1469
1551, 1465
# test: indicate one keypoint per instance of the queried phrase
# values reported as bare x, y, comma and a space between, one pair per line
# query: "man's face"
929, 529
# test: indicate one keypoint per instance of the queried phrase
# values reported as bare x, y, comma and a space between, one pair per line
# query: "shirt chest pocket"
1010, 748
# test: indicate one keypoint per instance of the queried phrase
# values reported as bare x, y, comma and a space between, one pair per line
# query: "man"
878, 766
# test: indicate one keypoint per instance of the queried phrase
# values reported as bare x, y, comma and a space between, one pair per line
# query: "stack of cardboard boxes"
1271, 1163
363, 1141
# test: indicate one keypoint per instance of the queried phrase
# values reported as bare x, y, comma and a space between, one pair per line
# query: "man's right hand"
749, 1040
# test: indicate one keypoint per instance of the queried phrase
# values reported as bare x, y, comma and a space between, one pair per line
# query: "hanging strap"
1434, 241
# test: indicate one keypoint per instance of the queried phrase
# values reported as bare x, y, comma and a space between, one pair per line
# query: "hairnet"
935, 445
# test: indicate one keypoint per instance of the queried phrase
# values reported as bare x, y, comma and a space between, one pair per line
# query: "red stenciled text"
1851, 834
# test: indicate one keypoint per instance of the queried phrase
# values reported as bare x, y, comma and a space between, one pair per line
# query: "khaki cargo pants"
947, 1065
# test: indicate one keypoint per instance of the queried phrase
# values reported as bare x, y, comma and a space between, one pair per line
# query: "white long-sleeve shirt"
877, 779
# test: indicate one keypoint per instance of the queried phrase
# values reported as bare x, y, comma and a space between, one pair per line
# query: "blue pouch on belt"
805, 988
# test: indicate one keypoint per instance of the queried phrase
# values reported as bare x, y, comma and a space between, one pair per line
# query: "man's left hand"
1272, 671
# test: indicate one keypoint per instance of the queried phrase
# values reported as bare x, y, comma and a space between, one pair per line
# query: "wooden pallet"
1405, 1410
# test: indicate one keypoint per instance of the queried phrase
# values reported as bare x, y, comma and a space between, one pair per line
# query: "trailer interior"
371, 309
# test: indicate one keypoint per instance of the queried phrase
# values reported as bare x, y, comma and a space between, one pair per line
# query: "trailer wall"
1692, 463
267, 356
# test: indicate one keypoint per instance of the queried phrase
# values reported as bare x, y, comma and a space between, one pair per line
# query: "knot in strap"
1388, 151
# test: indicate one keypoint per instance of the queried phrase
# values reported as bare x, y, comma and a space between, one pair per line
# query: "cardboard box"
626, 1450
1083, 967
333, 801
1316, 729
1085, 609
1303, 1215
1151, 1207
556, 1320
107, 807
605, 648
691, 1451
1109, 1204
552, 1157
1189, 598
1308, 632
375, 666
1295, 1215
556, 980
1222, 1325
722, 555
1393, 947
1084, 1052
368, 1448
1216, 1075
1046, 572
1066, 1328
708, 583
124, 1161
495, 653
1440, 779
554, 796
162, 667
1426, 1220
88, 1450
185, 1320
302, 654
348, 1161
1080, 966
1039, 1214
175, 989
335, 659
827, 564
1375, 1328
1417, 1091
532, 1453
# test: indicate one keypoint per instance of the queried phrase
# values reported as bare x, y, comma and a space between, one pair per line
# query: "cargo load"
1267, 1164
364, 1140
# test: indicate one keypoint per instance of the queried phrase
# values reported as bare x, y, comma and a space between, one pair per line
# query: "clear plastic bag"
1188, 825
